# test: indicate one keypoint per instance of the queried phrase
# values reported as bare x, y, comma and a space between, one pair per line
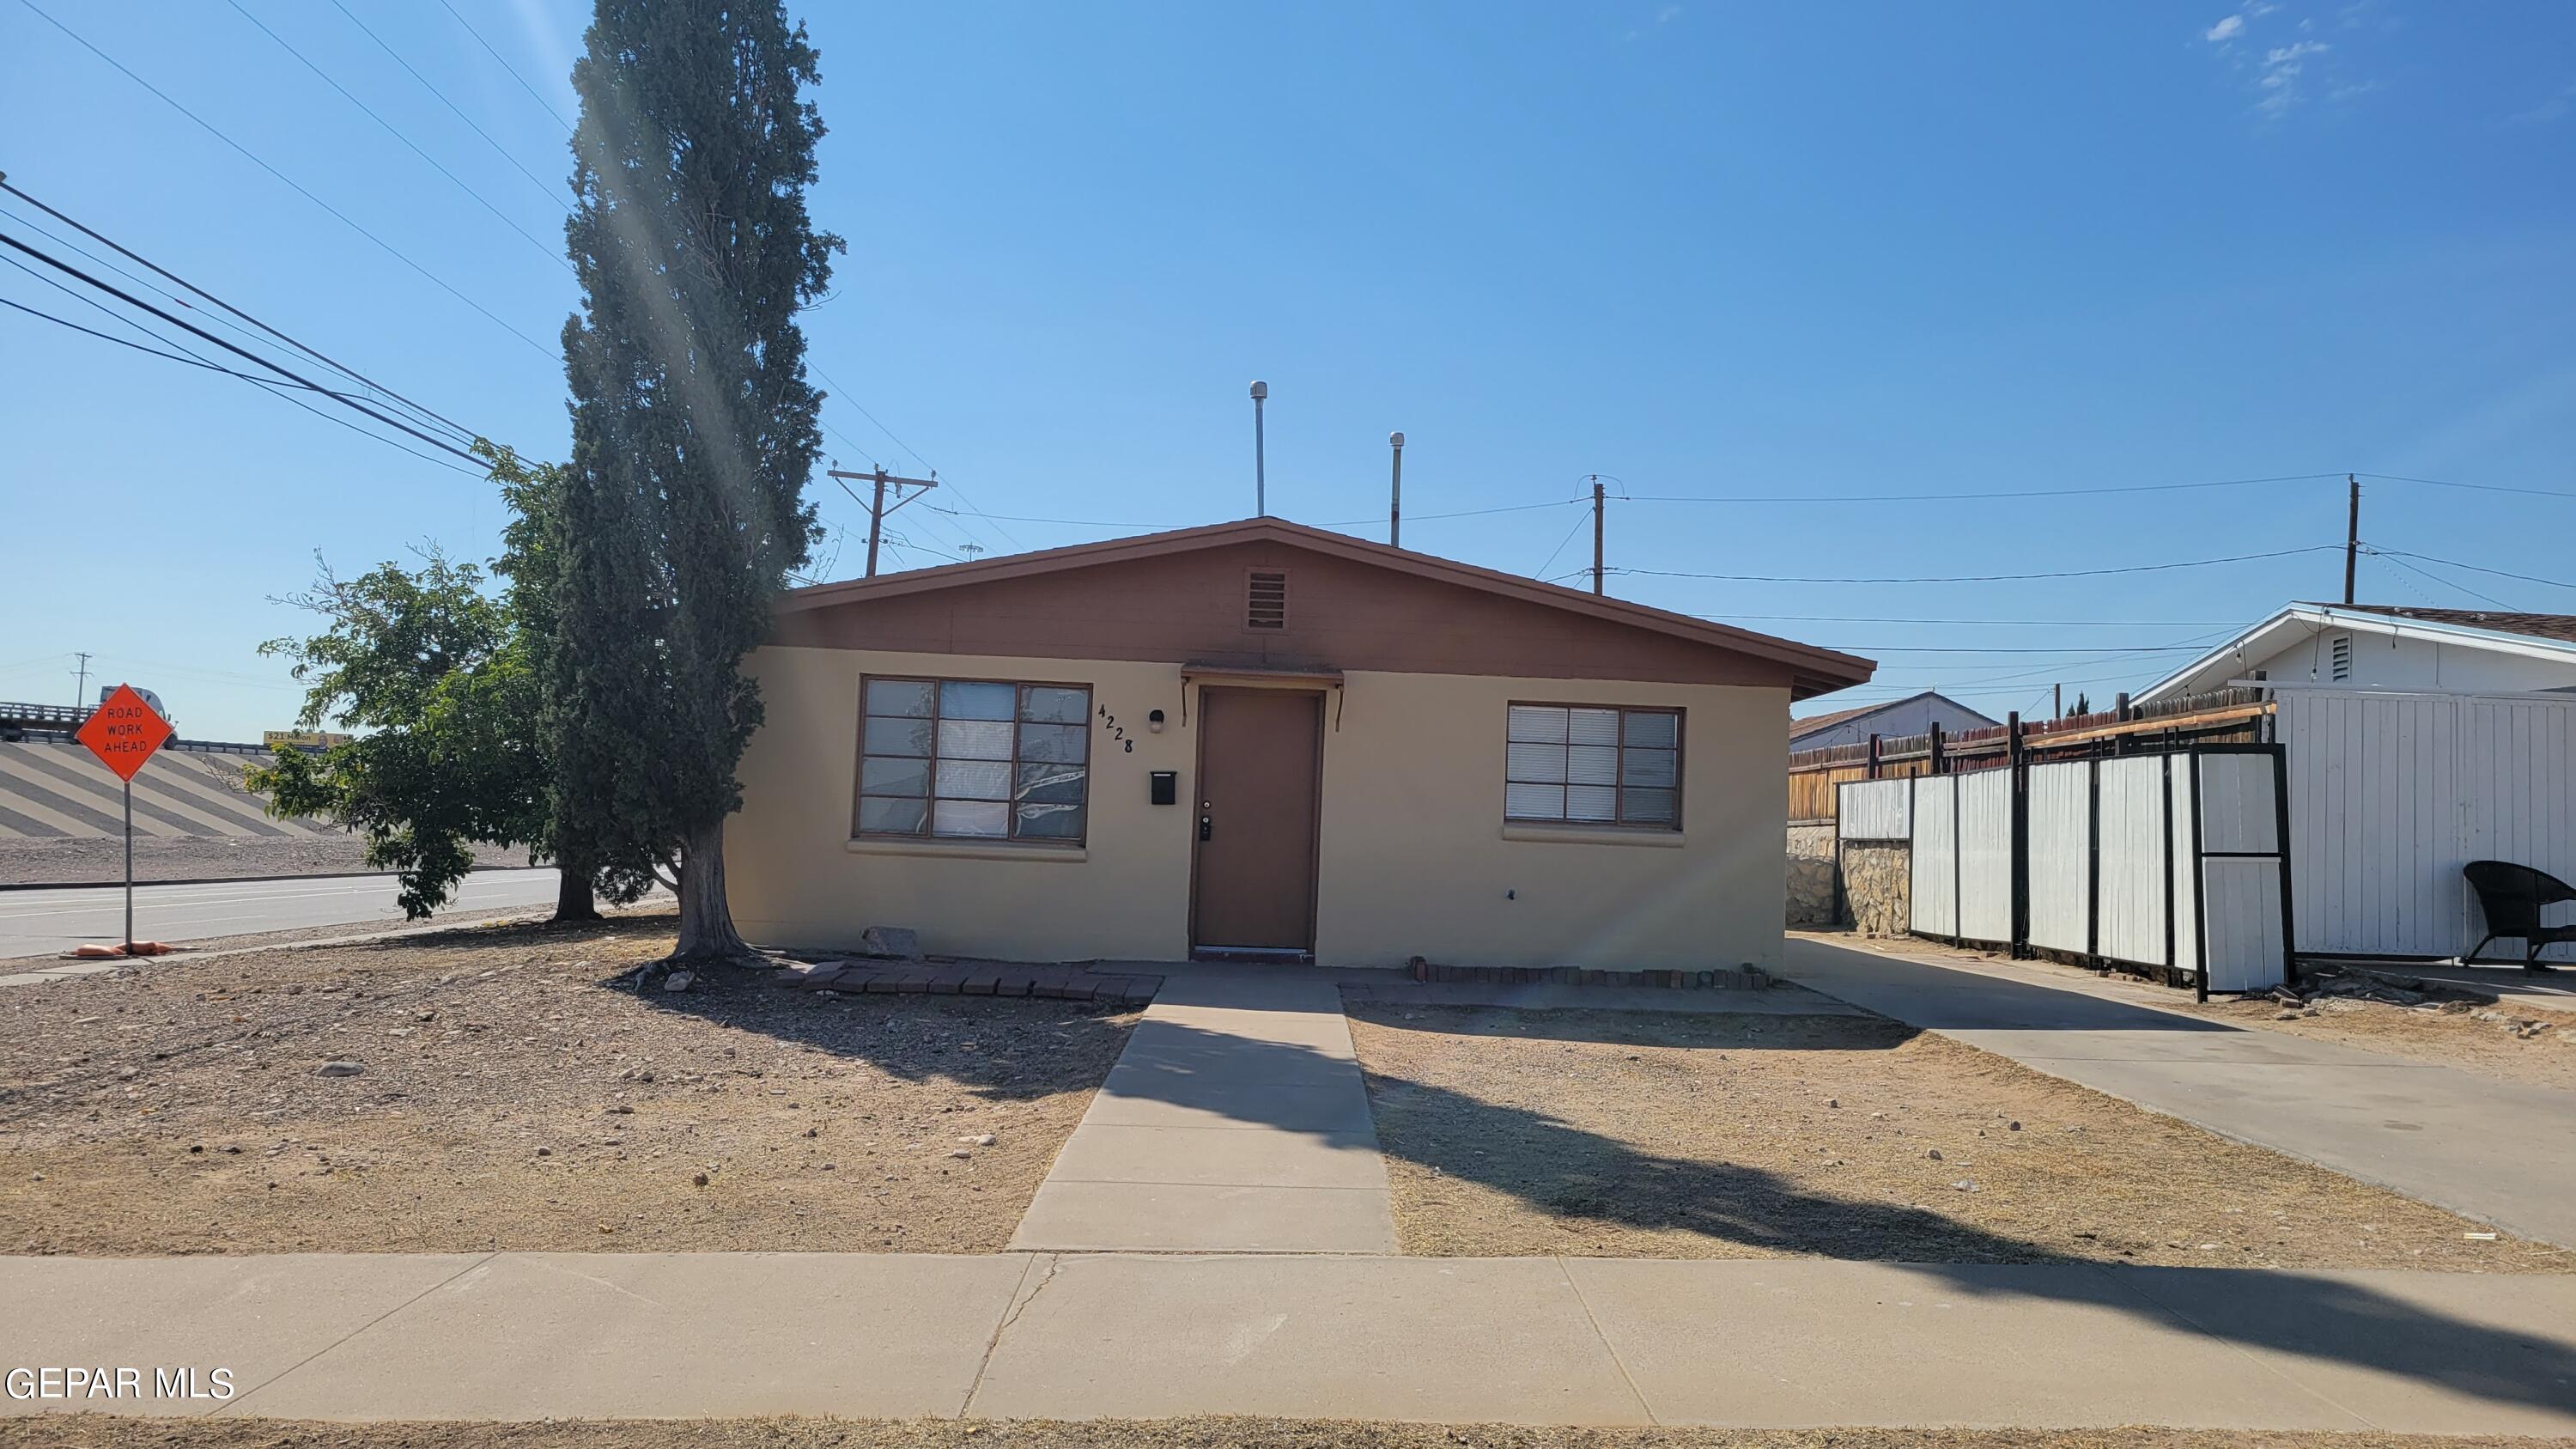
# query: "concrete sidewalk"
1234, 1122
2496, 1151
1755, 1343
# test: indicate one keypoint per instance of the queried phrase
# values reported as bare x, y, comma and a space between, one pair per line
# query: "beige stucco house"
1266, 740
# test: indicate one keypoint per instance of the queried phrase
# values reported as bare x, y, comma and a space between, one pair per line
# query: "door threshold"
1278, 955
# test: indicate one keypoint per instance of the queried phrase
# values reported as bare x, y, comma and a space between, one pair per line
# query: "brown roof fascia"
1817, 670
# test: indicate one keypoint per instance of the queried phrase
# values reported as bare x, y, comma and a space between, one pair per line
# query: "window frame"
1619, 768
930, 798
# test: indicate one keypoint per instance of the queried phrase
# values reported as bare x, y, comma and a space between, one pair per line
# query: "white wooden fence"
2391, 794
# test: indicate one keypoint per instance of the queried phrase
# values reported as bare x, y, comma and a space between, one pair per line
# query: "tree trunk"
574, 899
706, 920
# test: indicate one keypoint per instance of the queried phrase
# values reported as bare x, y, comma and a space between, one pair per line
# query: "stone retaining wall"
1878, 887
1811, 875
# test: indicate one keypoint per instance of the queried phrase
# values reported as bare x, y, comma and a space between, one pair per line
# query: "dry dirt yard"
510, 1096
1616, 1134
101, 1432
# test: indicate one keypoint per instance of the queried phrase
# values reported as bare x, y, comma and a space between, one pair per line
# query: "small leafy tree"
694, 429
444, 677
422, 662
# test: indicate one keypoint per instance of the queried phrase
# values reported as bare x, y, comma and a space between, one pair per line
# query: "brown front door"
1260, 767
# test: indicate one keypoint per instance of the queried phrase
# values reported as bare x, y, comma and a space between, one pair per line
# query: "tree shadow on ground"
2332, 1320
1590, 1176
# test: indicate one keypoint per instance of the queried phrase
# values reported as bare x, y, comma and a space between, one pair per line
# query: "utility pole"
1260, 479
2057, 701
877, 509
2351, 537
1596, 533
1395, 500
80, 683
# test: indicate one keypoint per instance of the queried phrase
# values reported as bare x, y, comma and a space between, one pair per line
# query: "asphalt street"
50, 922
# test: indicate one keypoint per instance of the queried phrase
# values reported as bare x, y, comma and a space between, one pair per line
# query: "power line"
298, 187
550, 193
396, 132
1580, 519
133, 301
1987, 649
505, 65
2447, 583
2473, 568
1992, 578
274, 387
1998, 493
2479, 487
2032, 623
433, 416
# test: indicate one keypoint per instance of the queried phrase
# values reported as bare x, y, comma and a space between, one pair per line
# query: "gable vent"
2342, 662
1266, 601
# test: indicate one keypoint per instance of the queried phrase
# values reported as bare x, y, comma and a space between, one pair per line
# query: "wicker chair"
2512, 895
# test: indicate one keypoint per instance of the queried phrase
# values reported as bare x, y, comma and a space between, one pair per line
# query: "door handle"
1207, 826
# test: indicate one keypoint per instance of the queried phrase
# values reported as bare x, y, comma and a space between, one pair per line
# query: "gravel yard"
100, 1432
507, 1095
1616, 1134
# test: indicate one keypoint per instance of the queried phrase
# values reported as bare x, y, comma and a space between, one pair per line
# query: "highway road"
49, 922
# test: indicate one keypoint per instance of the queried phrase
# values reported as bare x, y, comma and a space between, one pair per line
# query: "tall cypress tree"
694, 428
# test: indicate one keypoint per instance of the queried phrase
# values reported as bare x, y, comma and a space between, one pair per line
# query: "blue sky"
1705, 250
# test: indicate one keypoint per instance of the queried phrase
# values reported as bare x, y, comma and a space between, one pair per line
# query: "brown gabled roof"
1800, 728
2561, 627
1818, 670
1815, 722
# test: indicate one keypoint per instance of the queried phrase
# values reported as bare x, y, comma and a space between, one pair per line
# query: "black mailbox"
1167, 786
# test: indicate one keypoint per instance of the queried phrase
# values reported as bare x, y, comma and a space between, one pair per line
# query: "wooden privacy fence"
2227, 716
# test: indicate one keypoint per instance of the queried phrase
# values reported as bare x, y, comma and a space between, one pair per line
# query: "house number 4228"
1109, 722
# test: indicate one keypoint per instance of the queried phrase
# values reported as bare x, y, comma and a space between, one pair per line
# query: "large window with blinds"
1589, 765
974, 759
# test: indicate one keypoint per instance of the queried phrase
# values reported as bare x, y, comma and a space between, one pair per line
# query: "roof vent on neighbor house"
2342, 657
1266, 600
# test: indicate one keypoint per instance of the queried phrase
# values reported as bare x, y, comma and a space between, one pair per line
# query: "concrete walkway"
1235, 1122
1758, 1343
2492, 1150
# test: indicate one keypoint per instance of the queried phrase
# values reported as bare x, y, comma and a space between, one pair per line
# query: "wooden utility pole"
877, 509
1596, 533
2351, 537
2057, 701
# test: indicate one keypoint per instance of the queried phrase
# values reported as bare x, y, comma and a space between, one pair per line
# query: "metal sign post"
123, 734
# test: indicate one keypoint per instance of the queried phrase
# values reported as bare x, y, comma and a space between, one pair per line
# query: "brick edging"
1745, 978
933, 978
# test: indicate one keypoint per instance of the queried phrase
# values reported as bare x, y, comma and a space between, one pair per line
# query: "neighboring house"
2415, 741
2380, 646
1912, 715
1266, 739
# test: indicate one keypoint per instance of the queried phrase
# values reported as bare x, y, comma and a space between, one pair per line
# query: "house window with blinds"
1584, 765
971, 759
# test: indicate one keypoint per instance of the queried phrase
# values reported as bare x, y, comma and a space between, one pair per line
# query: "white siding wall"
2382, 661
2061, 855
2390, 794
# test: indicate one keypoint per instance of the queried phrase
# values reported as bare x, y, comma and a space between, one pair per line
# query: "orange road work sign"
124, 732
